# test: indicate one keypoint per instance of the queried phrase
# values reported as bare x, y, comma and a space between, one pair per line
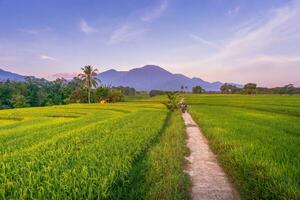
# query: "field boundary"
250, 108
120, 186
209, 181
154, 175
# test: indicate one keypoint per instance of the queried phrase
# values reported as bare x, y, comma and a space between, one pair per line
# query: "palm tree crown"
89, 77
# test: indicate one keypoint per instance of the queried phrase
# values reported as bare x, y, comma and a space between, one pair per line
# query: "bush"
172, 103
19, 101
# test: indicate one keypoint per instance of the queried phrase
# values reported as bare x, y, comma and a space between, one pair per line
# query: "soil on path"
208, 179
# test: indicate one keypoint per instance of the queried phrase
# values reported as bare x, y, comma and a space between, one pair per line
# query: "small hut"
103, 101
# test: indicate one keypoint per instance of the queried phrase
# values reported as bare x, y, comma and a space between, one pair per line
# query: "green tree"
88, 76
78, 93
172, 103
126, 91
289, 89
115, 95
6, 93
250, 88
101, 93
19, 101
36, 91
225, 88
153, 93
197, 89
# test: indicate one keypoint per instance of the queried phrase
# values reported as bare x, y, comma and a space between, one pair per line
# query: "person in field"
183, 106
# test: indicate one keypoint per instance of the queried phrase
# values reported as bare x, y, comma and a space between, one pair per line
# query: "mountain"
5, 75
151, 77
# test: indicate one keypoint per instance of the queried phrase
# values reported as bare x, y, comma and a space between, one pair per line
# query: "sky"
217, 40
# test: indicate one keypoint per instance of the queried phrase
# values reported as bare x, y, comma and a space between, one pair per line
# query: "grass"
135, 150
132, 150
75, 151
159, 175
257, 140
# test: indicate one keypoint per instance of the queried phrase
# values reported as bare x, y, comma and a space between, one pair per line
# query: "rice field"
135, 150
256, 139
160, 173
75, 151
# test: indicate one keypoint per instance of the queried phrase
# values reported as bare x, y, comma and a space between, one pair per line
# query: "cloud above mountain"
260, 46
135, 25
232, 41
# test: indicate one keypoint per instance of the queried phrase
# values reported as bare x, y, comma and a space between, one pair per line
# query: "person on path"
183, 106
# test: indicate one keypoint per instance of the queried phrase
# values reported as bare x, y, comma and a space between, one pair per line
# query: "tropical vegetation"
89, 78
40, 92
251, 88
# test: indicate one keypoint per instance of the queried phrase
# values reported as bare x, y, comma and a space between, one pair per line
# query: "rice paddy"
136, 150
256, 139
75, 151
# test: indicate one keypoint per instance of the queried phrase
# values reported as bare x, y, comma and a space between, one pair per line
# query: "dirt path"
208, 179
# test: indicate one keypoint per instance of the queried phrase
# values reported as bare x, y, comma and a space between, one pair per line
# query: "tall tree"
89, 78
250, 88
197, 89
225, 88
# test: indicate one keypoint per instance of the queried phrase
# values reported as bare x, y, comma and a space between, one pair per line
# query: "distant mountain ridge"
6, 75
152, 77
149, 77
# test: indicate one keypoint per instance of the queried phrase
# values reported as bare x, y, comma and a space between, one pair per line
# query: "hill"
6, 75
152, 77
149, 77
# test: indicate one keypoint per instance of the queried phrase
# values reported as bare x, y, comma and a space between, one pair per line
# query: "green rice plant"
284, 104
49, 156
256, 139
160, 174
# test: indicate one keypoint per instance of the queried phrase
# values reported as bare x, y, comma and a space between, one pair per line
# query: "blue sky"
227, 40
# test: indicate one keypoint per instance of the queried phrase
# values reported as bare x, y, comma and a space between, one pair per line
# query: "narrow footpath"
208, 179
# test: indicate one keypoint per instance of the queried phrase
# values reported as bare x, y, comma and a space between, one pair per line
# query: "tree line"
251, 88
226, 88
183, 89
84, 89
41, 92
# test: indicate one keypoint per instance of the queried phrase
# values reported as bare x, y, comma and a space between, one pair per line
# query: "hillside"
5, 75
152, 77
149, 77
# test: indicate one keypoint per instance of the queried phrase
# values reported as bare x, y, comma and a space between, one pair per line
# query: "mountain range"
5, 75
152, 77
149, 77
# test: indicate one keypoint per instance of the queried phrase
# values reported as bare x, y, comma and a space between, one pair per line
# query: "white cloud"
234, 10
282, 26
259, 45
125, 33
85, 27
34, 31
203, 41
136, 24
155, 13
49, 58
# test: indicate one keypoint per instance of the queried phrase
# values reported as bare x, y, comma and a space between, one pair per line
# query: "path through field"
208, 179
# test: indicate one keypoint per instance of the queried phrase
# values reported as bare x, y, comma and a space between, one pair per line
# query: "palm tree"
88, 76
